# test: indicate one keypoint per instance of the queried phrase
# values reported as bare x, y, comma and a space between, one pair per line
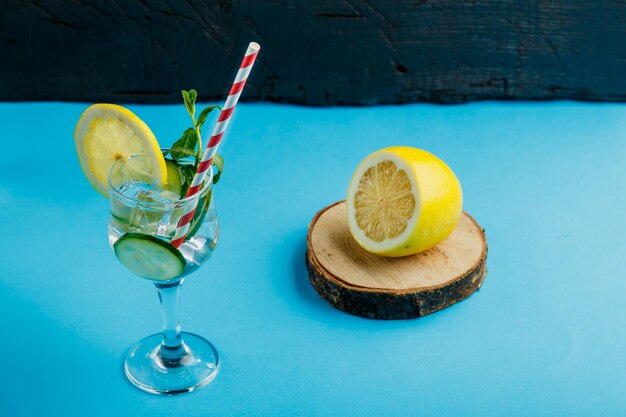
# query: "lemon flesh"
106, 134
402, 201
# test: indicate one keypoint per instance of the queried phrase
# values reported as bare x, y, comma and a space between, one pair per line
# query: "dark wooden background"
317, 52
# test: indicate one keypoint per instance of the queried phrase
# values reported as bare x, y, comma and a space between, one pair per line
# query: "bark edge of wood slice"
372, 286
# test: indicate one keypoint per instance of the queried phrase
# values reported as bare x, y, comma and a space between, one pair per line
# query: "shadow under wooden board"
368, 285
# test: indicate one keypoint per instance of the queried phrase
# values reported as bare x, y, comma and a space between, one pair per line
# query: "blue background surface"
545, 336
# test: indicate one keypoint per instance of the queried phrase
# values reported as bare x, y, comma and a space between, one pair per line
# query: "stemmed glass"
143, 221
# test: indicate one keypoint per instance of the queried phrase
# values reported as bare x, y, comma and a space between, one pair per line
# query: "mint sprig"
189, 97
190, 143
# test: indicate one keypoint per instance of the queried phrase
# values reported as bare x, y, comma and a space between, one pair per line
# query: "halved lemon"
107, 133
402, 201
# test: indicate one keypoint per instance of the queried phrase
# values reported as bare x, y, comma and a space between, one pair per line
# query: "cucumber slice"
174, 182
149, 257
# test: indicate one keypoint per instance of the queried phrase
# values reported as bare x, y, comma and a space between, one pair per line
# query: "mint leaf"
193, 95
185, 146
189, 97
186, 100
205, 113
218, 162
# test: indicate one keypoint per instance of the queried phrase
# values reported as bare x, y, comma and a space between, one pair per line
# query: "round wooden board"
373, 286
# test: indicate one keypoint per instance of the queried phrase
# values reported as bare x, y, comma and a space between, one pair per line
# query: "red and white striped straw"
216, 138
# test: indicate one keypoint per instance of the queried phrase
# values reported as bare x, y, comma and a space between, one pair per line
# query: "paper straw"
216, 138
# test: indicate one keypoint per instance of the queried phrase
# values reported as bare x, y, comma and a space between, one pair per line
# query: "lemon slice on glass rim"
402, 201
108, 133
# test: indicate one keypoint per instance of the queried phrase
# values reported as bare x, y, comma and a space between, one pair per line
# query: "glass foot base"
148, 371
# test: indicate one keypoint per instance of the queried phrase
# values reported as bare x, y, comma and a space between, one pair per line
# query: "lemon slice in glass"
107, 133
402, 201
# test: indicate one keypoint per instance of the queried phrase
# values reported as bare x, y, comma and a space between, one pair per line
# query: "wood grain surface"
318, 52
374, 286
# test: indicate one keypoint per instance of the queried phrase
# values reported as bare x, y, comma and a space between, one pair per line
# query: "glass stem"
172, 349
